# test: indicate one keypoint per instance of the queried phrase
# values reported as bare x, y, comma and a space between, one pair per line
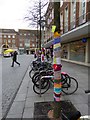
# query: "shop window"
64, 51
77, 51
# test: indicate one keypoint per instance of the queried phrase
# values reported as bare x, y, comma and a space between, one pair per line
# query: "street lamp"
43, 22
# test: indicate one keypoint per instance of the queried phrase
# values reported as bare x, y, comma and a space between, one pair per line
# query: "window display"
77, 51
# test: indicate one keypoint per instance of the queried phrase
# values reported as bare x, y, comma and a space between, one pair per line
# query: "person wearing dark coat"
14, 59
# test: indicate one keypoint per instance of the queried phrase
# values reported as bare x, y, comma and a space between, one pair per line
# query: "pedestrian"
47, 55
14, 58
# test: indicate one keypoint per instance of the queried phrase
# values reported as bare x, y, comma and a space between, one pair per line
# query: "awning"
48, 44
75, 34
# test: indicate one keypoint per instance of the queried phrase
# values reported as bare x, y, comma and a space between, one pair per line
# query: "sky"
12, 13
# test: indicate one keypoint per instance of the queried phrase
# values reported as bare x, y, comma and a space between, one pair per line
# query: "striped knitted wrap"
57, 68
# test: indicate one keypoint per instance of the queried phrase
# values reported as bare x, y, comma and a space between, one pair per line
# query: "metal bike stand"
41, 79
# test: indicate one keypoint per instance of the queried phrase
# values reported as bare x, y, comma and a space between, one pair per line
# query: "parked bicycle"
37, 66
43, 82
42, 78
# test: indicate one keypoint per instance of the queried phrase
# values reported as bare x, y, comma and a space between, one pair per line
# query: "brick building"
27, 40
23, 40
75, 23
8, 39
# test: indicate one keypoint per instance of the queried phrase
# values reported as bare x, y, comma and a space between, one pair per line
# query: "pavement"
23, 104
11, 79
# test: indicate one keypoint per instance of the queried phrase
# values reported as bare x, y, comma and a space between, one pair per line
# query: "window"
13, 36
13, 45
13, 41
28, 33
32, 34
33, 45
53, 14
9, 36
83, 9
82, 12
61, 21
61, 3
27, 41
64, 51
5, 36
66, 20
77, 51
9, 41
20, 40
4, 40
21, 44
73, 13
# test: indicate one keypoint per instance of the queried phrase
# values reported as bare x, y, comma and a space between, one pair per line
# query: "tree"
35, 16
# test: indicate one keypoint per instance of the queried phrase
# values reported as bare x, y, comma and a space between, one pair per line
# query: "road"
12, 77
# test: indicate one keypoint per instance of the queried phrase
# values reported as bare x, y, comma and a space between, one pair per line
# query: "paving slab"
19, 116
28, 112
17, 108
20, 97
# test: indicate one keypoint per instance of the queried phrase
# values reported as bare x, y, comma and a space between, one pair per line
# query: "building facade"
8, 39
27, 40
75, 24
23, 40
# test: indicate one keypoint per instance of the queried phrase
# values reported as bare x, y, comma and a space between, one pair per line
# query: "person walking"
14, 59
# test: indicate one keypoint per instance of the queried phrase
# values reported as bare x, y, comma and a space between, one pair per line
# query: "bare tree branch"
33, 13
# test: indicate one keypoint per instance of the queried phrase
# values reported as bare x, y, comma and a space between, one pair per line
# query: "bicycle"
38, 66
42, 83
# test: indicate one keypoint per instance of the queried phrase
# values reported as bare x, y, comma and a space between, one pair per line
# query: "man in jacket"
14, 59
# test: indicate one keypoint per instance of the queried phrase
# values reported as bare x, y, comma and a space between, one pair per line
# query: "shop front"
75, 45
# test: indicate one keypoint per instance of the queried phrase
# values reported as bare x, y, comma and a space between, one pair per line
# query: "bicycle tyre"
72, 88
37, 89
34, 76
30, 72
44, 82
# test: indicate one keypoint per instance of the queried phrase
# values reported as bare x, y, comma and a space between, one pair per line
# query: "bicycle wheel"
31, 72
44, 82
70, 86
37, 75
44, 87
34, 76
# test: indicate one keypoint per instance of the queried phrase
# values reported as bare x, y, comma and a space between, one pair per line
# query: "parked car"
6, 55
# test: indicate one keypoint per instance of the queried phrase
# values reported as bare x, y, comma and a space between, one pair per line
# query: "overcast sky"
12, 13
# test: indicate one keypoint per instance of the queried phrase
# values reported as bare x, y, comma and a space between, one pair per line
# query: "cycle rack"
41, 79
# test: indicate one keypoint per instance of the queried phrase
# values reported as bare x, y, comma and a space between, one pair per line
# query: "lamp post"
42, 42
40, 23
